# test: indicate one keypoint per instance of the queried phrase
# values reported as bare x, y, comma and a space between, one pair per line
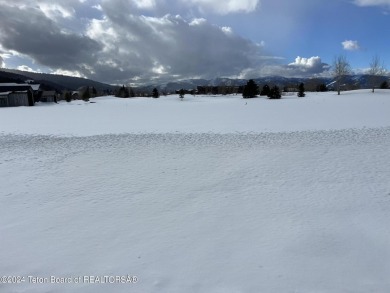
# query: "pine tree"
155, 93
68, 97
265, 91
250, 90
301, 90
321, 88
181, 94
384, 85
275, 93
123, 92
86, 95
94, 92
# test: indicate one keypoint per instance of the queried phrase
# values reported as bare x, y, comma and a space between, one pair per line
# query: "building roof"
34, 87
13, 92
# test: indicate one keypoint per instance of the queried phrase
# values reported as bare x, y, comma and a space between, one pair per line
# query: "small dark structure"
14, 95
14, 99
48, 97
75, 95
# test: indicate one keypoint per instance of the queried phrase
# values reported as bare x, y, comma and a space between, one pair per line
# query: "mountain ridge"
63, 82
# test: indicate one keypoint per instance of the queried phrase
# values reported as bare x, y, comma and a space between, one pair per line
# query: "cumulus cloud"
308, 66
306, 62
350, 45
2, 64
301, 67
372, 2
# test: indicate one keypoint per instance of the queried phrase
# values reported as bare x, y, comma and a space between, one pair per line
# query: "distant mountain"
56, 82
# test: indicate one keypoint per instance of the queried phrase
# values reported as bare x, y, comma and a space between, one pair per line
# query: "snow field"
209, 194
268, 212
201, 114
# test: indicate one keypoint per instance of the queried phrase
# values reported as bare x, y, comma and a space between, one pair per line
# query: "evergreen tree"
68, 97
123, 92
181, 94
94, 92
131, 92
384, 85
321, 88
86, 95
275, 93
301, 90
250, 90
265, 91
155, 93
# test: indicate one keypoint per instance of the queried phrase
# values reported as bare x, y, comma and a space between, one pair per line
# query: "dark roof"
7, 87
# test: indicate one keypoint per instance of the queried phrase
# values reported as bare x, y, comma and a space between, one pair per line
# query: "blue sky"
150, 41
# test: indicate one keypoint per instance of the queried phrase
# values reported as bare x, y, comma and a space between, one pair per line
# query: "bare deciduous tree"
377, 69
341, 68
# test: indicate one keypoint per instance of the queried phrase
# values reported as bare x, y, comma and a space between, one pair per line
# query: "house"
13, 95
48, 97
14, 99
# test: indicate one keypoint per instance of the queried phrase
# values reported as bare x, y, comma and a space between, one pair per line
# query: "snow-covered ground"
202, 195
201, 114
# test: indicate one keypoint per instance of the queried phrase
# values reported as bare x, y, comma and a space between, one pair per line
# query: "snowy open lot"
201, 114
202, 195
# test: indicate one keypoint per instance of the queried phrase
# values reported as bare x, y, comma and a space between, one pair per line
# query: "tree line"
340, 70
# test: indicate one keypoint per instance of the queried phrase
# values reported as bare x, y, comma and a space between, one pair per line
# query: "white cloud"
25, 68
227, 30
225, 7
350, 45
97, 7
68, 73
372, 2
307, 62
52, 10
2, 63
144, 4
308, 66
301, 67
198, 21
